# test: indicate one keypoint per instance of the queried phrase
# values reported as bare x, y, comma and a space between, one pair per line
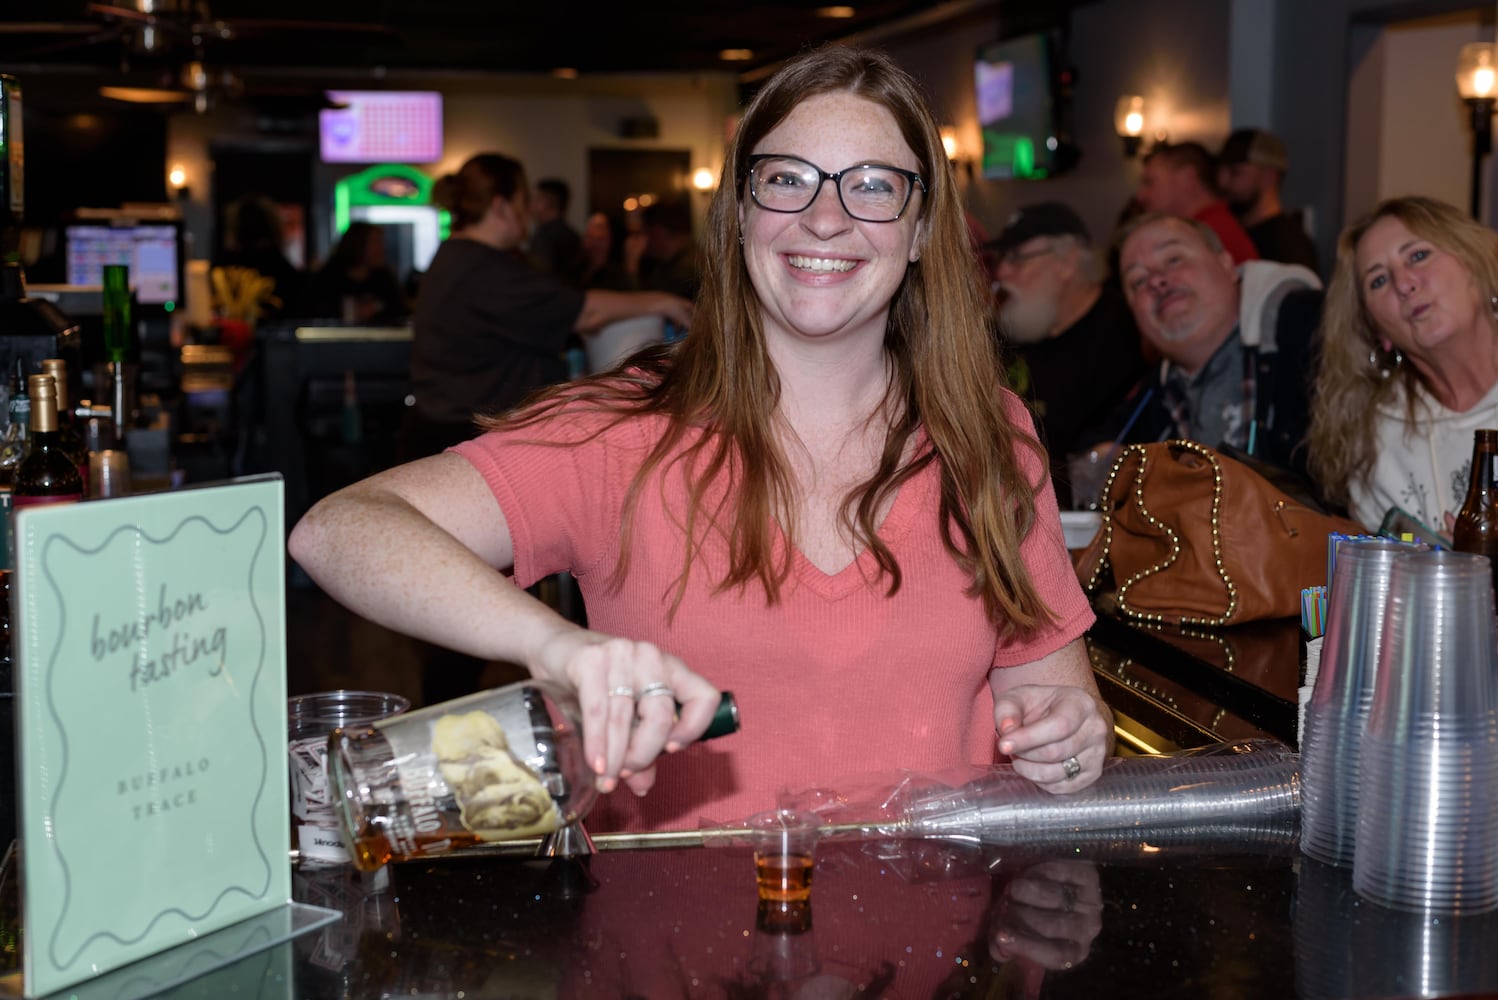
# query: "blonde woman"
1409, 362
821, 500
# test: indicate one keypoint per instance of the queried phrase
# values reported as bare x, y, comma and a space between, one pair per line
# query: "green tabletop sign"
152, 723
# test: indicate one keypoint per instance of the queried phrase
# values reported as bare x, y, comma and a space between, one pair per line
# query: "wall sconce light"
949, 141
1477, 82
704, 180
1130, 119
176, 177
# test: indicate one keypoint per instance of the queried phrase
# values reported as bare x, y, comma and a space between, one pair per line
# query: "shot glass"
785, 844
310, 718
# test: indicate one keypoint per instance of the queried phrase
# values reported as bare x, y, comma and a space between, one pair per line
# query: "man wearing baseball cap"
1070, 345
1251, 168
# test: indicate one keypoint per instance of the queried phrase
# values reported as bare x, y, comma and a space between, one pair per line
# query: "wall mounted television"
381, 126
1021, 109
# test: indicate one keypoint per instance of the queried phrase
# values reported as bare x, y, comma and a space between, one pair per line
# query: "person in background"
355, 283
1181, 179
489, 328
554, 246
670, 261
253, 246
603, 255
1409, 361
1250, 170
1236, 343
1072, 348
817, 498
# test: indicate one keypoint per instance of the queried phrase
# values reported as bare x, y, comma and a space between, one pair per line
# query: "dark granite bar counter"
914, 919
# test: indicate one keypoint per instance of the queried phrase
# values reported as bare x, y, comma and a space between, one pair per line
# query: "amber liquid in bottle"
47, 474
1477, 525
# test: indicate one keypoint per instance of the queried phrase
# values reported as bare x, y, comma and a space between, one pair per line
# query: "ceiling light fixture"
836, 12
565, 73
736, 55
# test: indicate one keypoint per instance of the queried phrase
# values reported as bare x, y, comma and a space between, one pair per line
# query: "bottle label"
18, 501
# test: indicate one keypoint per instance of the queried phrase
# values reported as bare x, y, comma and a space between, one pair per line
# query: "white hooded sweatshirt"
1422, 467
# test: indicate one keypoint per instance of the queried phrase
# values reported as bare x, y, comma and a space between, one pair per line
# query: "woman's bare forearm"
380, 556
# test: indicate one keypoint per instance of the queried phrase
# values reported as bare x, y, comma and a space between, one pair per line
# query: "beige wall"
1407, 128
549, 125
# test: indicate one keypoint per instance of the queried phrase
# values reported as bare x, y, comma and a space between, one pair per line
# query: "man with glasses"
1072, 349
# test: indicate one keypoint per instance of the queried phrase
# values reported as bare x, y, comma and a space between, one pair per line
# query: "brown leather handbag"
1195, 537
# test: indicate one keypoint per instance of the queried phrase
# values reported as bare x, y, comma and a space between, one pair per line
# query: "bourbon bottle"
1477, 525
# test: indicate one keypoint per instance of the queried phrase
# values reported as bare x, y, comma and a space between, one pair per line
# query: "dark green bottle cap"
725, 719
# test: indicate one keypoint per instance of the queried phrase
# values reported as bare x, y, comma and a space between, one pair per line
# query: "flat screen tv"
151, 249
381, 126
1020, 109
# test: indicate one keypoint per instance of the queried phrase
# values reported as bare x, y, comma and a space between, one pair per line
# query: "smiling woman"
1411, 334
822, 497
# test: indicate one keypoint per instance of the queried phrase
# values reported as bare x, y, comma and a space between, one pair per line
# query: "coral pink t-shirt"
837, 679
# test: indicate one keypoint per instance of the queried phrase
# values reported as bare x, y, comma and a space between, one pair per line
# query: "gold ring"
622, 691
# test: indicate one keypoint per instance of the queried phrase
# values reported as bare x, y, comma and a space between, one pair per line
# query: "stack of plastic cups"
1427, 835
1338, 712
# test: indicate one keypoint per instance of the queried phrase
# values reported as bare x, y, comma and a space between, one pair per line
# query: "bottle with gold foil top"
67, 423
1476, 527
47, 474
499, 765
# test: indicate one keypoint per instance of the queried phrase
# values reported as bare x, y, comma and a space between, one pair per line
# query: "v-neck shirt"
837, 678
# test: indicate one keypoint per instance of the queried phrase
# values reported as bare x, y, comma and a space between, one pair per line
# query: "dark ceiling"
57, 37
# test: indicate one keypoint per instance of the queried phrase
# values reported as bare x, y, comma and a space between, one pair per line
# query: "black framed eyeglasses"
869, 192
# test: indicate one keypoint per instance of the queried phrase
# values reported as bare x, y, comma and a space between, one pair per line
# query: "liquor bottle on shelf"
12, 186
1476, 527
118, 314
13, 445
47, 474
67, 422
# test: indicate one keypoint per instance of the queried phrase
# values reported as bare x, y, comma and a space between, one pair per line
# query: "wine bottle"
47, 474
1477, 524
67, 423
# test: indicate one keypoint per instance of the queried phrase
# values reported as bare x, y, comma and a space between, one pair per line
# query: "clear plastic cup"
785, 844
1427, 816
1338, 710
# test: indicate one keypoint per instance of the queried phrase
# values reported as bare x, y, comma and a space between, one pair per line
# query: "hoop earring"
1386, 363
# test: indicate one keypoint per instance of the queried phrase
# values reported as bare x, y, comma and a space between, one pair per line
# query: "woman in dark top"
355, 283
488, 327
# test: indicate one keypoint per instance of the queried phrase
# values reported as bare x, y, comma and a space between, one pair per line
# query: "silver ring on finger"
622, 691
1071, 767
654, 689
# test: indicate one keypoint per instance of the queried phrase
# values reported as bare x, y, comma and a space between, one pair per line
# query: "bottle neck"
1484, 474
43, 419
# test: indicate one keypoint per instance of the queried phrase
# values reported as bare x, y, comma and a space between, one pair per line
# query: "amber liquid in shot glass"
783, 877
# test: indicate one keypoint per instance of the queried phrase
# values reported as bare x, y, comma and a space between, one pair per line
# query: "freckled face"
820, 273
1421, 298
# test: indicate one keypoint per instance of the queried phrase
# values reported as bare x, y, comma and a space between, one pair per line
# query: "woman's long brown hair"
719, 390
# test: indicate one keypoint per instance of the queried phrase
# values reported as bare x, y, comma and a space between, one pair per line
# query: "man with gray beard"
1069, 341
